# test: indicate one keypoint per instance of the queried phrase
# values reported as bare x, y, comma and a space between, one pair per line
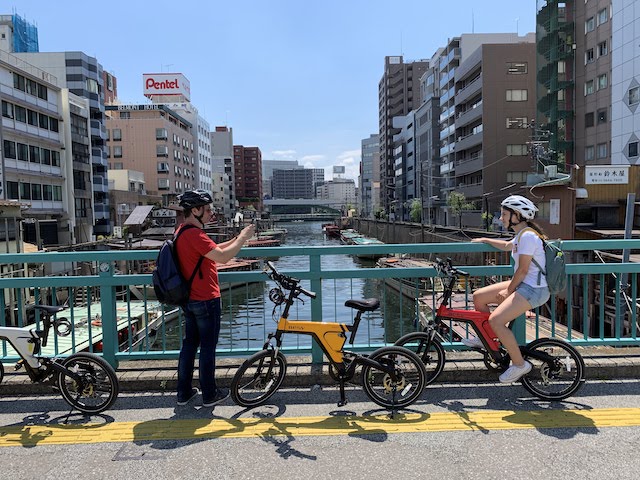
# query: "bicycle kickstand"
343, 398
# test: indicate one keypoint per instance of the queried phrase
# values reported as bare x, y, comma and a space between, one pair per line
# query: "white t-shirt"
527, 242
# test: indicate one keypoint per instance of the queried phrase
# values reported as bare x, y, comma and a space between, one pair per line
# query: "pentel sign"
166, 84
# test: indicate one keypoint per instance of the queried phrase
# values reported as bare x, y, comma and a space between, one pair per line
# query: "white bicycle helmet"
522, 205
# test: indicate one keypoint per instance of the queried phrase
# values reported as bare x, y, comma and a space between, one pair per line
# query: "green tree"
457, 204
416, 211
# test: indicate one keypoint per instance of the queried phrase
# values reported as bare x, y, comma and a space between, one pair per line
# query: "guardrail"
594, 310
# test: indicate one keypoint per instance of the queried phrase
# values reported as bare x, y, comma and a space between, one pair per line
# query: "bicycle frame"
330, 336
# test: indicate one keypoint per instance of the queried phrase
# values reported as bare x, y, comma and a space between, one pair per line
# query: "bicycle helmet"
194, 198
520, 204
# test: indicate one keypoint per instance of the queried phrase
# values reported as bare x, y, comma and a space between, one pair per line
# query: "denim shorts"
536, 296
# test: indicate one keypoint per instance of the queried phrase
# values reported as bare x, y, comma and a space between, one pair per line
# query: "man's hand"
247, 232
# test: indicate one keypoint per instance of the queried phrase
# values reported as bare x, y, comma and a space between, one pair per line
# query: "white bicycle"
85, 381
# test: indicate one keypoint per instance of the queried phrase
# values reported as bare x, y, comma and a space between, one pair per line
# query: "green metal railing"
596, 309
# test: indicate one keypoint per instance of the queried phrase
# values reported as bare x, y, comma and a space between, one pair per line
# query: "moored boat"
411, 287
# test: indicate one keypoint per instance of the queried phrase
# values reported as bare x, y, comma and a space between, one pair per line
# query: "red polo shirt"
191, 245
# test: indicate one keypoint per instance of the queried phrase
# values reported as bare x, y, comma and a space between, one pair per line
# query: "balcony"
469, 90
462, 143
469, 165
470, 191
472, 114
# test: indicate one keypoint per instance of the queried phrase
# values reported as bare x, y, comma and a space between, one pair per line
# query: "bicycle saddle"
50, 309
364, 305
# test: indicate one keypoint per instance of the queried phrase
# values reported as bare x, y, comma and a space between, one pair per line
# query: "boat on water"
368, 241
347, 236
331, 230
411, 287
277, 233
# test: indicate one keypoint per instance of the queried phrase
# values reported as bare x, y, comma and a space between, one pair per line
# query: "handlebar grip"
308, 293
462, 272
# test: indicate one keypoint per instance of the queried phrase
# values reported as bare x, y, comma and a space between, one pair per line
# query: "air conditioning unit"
551, 171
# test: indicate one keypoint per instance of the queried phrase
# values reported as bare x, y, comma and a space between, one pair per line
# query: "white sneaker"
473, 342
514, 373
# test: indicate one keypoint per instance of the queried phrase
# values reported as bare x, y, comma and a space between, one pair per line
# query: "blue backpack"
170, 286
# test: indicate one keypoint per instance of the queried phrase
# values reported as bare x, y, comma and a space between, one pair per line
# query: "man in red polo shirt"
203, 311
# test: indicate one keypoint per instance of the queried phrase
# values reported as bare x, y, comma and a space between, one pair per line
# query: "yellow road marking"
187, 429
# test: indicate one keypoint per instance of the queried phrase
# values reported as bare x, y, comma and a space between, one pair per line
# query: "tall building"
625, 81
83, 76
17, 35
494, 104
398, 94
248, 176
268, 166
340, 191
427, 174
34, 170
369, 178
154, 140
293, 183
224, 194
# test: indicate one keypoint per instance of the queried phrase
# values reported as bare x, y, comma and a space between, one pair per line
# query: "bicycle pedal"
18, 365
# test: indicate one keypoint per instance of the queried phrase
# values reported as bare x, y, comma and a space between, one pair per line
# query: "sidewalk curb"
460, 367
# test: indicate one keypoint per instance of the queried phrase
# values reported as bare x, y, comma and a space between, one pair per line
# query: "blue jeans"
201, 329
536, 296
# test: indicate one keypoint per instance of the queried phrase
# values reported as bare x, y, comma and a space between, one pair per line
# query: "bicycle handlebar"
446, 268
287, 282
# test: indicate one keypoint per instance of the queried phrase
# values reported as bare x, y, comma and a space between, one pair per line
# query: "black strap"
175, 240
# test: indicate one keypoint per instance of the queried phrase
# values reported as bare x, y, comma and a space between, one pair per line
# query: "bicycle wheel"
258, 378
98, 386
430, 352
410, 373
556, 379
1, 372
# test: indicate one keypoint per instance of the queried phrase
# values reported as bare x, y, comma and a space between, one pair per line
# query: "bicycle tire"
259, 377
393, 395
433, 357
99, 387
1, 372
561, 379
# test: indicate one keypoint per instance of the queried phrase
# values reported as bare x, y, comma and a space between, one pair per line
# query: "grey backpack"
554, 270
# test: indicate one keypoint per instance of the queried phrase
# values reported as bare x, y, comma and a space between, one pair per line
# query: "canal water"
248, 315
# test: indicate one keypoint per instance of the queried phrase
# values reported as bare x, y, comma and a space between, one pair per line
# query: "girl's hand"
478, 240
502, 295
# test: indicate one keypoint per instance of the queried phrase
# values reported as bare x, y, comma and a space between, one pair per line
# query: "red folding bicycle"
558, 368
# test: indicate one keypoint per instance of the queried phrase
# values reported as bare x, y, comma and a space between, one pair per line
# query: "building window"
633, 149
117, 134
163, 167
125, 115
162, 151
12, 190
516, 68
602, 16
9, 149
43, 121
53, 124
516, 95
516, 122
516, 150
21, 114
34, 154
36, 191
588, 56
161, 134
602, 150
602, 81
117, 151
588, 119
603, 49
589, 25
118, 166
516, 177
589, 153
23, 152
634, 95
602, 115
32, 118
7, 109
588, 87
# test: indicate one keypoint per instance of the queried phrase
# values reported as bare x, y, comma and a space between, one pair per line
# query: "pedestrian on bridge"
202, 312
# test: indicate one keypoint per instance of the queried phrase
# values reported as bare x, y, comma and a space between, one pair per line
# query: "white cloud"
284, 154
311, 159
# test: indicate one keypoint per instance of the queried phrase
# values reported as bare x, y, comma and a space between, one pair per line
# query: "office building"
247, 164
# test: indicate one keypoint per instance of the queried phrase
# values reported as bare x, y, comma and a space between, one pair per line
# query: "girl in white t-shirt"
527, 288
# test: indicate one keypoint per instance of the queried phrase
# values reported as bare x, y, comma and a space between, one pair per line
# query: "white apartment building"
625, 83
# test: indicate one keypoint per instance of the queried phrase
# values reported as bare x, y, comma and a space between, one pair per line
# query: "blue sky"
299, 79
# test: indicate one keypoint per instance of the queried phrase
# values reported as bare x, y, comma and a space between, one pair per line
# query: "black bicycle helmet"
194, 199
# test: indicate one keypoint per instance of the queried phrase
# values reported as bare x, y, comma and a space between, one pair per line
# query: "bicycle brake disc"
389, 384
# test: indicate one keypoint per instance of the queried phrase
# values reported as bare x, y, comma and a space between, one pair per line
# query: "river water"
248, 314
